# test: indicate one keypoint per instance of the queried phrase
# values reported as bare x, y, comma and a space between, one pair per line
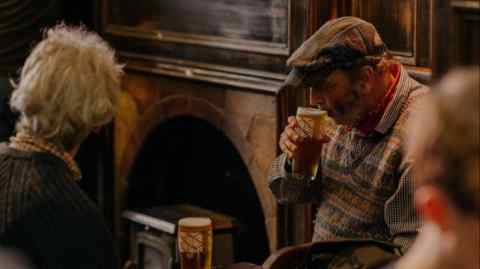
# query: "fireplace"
188, 160
202, 108
182, 141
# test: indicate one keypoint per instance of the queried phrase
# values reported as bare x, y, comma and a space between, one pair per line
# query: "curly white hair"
68, 86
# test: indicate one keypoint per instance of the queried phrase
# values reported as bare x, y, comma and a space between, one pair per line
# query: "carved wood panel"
456, 35
395, 22
404, 25
467, 19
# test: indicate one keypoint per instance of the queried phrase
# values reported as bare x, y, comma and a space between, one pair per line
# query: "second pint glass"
195, 243
314, 124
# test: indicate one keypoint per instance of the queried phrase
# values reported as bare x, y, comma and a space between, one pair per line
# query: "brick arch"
182, 105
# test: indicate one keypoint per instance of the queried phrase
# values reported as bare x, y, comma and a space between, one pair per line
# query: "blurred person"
444, 140
68, 87
363, 187
11, 259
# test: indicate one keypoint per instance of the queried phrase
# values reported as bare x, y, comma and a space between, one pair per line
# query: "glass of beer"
314, 123
195, 243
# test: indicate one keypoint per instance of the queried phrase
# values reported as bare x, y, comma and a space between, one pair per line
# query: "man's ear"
433, 206
365, 79
366, 73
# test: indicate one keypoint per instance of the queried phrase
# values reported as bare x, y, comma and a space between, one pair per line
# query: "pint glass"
195, 243
314, 124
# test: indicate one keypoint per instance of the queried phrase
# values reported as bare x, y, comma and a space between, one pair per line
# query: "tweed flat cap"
347, 32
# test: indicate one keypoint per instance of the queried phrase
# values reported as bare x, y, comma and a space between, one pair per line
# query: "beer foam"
195, 222
310, 112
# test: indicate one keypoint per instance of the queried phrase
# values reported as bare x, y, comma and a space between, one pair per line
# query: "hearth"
187, 160
154, 236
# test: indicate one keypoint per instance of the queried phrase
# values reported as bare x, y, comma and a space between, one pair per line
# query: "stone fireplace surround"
250, 119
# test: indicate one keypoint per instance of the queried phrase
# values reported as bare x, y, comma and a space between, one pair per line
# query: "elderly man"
364, 187
444, 139
68, 87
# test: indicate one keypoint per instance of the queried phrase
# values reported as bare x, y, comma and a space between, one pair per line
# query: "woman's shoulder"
34, 165
39, 176
38, 187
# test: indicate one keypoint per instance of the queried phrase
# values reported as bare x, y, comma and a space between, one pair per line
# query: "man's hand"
293, 137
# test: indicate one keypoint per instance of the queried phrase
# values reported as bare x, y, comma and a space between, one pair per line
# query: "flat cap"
347, 32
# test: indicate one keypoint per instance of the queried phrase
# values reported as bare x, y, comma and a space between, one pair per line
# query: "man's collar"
368, 124
403, 88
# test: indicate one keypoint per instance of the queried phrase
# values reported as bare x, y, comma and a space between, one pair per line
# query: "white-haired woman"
68, 87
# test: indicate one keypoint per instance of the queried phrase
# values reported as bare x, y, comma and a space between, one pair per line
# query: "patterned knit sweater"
364, 189
47, 217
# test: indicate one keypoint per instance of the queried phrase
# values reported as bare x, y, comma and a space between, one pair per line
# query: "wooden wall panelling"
253, 41
20, 24
343, 7
466, 15
424, 32
395, 21
405, 26
442, 37
456, 35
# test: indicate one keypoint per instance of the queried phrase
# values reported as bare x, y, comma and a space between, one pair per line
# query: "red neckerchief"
368, 124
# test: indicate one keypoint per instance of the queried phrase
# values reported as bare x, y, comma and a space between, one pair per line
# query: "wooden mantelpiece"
259, 81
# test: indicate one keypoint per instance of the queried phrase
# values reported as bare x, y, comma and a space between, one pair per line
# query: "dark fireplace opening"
188, 160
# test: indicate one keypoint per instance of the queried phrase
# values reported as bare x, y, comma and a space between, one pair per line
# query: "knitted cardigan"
45, 215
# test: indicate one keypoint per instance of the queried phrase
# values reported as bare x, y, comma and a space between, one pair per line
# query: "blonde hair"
445, 135
68, 85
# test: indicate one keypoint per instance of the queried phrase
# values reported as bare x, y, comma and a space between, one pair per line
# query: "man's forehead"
331, 79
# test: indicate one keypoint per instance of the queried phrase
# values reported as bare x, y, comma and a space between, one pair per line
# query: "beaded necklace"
29, 143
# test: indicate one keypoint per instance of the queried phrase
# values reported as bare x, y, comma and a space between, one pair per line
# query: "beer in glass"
195, 243
313, 123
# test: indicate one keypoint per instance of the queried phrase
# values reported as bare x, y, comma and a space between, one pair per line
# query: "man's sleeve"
286, 188
400, 214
